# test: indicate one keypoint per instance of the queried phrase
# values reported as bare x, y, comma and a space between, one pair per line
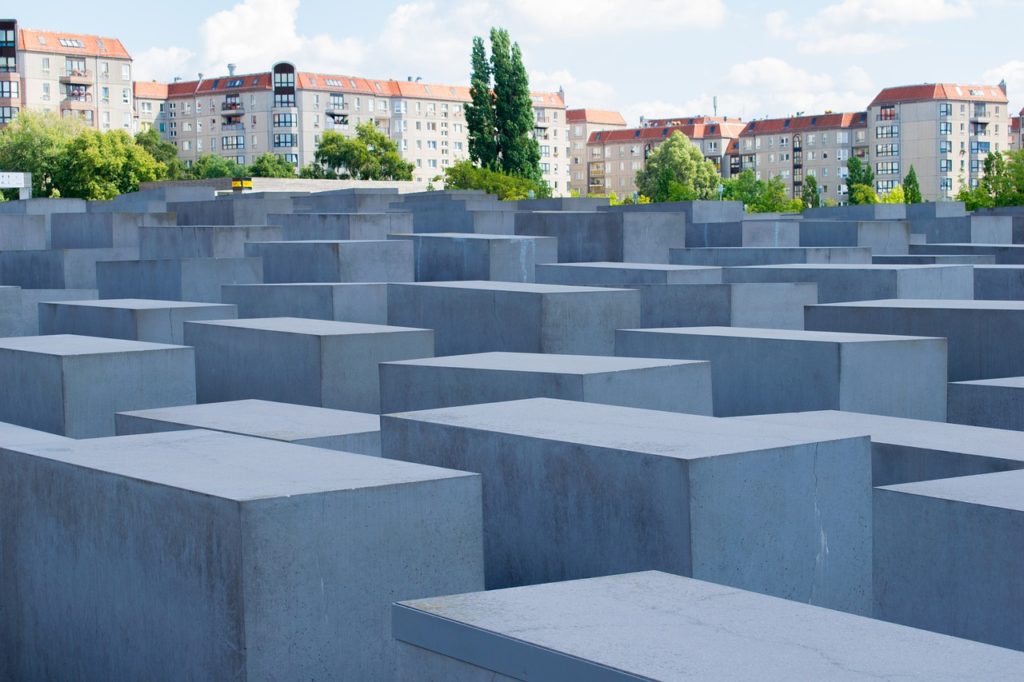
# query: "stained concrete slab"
341, 301
448, 256
736, 256
998, 403
128, 318
607, 274
334, 261
180, 279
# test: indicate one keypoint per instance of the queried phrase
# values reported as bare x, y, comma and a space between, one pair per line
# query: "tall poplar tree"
483, 146
521, 148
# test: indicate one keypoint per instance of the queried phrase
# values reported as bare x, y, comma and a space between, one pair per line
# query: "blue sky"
650, 57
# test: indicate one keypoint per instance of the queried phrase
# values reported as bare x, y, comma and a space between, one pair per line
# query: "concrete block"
334, 261
860, 212
102, 230
949, 556
1005, 254
669, 385
771, 233
351, 200
263, 560
585, 237
247, 209
23, 232
907, 450
864, 282
998, 403
344, 302
575, 490
302, 361
318, 427
999, 282
758, 371
477, 317
951, 259
202, 241
128, 318
179, 279
448, 256
965, 228
340, 226
604, 274
881, 236
656, 626
19, 308
702, 211
740, 256
977, 331
57, 269
714, 235
774, 306
72, 385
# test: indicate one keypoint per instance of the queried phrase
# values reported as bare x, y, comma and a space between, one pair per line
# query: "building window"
946, 184
887, 168
945, 165
291, 158
883, 132
887, 113
945, 146
891, 149
8, 64
8, 114
9, 89
945, 128
284, 139
284, 120
232, 142
125, 96
284, 79
945, 109
284, 100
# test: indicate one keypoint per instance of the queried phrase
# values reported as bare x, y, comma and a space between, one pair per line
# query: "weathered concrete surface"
605, 274
775, 306
187, 279
57, 268
334, 261
202, 241
448, 256
343, 226
294, 360
741, 256
587, 236
19, 308
128, 318
670, 385
114, 229
1005, 254
657, 626
999, 282
575, 490
264, 560
998, 403
342, 301
758, 371
300, 424
73, 385
23, 232
881, 236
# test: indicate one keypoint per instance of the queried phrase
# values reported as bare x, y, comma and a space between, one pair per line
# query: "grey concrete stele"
341, 301
758, 371
72, 385
478, 317
743, 256
670, 385
318, 427
334, 261
202, 241
295, 360
213, 556
575, 490
881, 236
448, 256
607, 274
656, 626
19, 308
588, 236
180, 279
57, 268
346, 226
997, 403
128, 318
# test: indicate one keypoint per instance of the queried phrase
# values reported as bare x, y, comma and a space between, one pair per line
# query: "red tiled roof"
249, 82
687, 120
697, 131
150, 90
805, 123
31, 40
1015, 123
600, 116
927, 92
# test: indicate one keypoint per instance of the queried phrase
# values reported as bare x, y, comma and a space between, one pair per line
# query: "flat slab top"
668, 434
309, 285
138, 304
870, 267
470, 236
521, 287
970, 245
990, 266
236, 467
665, 627
266, 419
778, 334
302, 325
73, 344
916, 433
547, 363
340, 242
646, 267
929, 303
1002, 382
774, 248
1002, 489
15, 437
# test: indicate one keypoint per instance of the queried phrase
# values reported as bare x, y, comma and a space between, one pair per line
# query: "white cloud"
772, 86
614, 16
829, 42
1013, 73
896, 11
578, 93
778, 25
163, 64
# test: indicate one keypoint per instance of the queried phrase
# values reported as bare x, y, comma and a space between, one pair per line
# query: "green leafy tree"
212, 166
897, 195
519, 153
809, 194
269, 165
480, 126
466, 175
164, 152
677, 171
743, 187
860, 175
370, 155
1001, 185
773, 197
863, 194
98, 165
35, 143
911, 187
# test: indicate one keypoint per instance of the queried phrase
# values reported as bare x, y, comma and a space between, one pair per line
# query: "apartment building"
615, 156
74, 75
285, 111
582, 124
796, 147
943, 130
1017, 131
149, 99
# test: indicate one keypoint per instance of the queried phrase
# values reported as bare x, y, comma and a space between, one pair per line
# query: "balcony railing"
232, 126
76, 76
231, 106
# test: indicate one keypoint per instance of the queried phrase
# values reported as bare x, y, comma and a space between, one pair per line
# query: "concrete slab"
881, 236
72, 385
23, 232
999, 282
605, 274
185, 279
202, 241
334, 261
448, 256
1005, 254
589, 236
344, 301
303, 361
128, 318
343, 226
670, 385
656, 626
759, 371
58, 269
356, 432
263, 559
741, 256
575, 490
998, 403
113, 229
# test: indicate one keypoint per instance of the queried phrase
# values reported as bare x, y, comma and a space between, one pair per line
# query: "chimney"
200, 75
177, 79
1002, 85
231, 69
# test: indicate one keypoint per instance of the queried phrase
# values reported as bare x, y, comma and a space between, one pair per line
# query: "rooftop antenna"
714, 104
231, 69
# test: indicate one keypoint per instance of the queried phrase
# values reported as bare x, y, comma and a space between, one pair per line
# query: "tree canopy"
860, 175
34, 142
370, 155
466, 175
1002, 184
483, 145
678, 171
911, 187
269, 165
809, 193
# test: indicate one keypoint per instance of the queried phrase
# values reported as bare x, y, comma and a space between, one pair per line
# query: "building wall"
97, 90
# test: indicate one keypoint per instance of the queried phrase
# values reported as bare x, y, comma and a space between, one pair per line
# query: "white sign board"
15, 180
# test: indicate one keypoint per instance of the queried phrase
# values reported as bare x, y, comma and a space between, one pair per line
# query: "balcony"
77, 76
77, 102
231, 108
225, 127
337, 109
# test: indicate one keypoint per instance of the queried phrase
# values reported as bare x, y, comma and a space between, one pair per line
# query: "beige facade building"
286, 112
943, 130
150, 98
73, 75
1017, 131
797, 147
615, 156
582, 124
